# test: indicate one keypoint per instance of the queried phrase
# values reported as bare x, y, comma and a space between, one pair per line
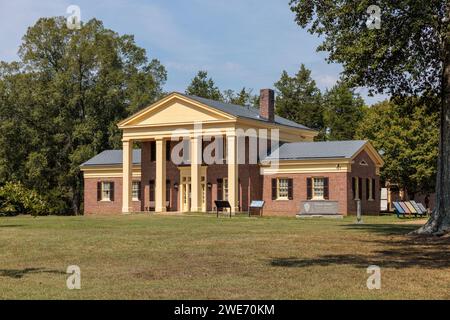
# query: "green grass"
201, 257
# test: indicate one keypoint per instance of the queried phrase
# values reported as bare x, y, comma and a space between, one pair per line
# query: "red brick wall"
250, 184
91, 205
148, 172
337, 192
250, 181
363, 171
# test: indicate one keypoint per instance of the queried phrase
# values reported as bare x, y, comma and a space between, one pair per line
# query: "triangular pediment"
175, 109
371, 152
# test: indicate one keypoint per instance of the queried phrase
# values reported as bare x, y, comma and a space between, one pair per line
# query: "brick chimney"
267, 104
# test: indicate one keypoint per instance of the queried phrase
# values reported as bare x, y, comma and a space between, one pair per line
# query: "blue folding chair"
398, 210
420, 212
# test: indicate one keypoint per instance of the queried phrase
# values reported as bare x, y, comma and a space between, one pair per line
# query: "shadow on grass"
386, 229
20, 273
398, 250
10, 225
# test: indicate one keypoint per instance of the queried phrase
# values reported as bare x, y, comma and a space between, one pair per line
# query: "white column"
233, 183
127, 176
181, 196
196, 163
160, 183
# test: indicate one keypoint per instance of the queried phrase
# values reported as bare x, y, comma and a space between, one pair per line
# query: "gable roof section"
174, 100
324, 150
111, 157
233, 110
244, 112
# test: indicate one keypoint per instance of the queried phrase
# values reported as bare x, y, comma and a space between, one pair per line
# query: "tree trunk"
439, 222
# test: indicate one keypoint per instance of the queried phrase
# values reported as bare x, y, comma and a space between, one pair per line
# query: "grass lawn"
201, 257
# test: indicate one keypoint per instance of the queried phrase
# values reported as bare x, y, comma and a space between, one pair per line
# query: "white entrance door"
186, 188
186, 194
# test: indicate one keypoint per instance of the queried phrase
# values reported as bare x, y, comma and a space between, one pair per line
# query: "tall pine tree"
298, 99
202, 86
343, 110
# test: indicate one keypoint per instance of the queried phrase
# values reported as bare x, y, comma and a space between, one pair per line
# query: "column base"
160, 210
196, 209
127, 210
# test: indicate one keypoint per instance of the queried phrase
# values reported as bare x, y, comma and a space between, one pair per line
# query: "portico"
174, 119
193, 176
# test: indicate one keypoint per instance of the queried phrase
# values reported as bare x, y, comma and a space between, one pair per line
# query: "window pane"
106, 191
283, 188
225, 189
135, 190
318, 188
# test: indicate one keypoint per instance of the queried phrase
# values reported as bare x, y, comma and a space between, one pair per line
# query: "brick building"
256, 156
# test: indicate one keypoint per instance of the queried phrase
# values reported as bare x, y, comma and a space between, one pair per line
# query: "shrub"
15, 199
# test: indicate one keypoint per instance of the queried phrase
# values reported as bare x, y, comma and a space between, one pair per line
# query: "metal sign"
257, 204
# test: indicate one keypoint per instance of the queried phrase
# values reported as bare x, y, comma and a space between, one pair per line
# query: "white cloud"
326, 80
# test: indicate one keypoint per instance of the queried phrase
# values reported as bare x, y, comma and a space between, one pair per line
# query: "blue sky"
239, 42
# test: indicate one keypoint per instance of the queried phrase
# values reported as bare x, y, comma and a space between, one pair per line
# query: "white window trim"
314, 196
278, 189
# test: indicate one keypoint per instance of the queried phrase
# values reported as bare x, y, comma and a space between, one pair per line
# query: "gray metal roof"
244, 111
318, 150
112, 157
287, 151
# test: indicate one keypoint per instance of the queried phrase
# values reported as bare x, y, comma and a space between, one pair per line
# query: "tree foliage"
242, 98
404, 56
343, 111
299, 99
60, 103
202, 86
15, 199
408, 135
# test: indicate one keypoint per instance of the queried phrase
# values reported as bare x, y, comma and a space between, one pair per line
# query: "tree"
408, 134
202, 86
343, 110
298, 99
408, 54
60, 103
242, 98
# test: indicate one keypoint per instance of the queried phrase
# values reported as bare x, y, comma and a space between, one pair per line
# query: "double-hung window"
282, 189
136, 190
225, 189
106, 191
318, 188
